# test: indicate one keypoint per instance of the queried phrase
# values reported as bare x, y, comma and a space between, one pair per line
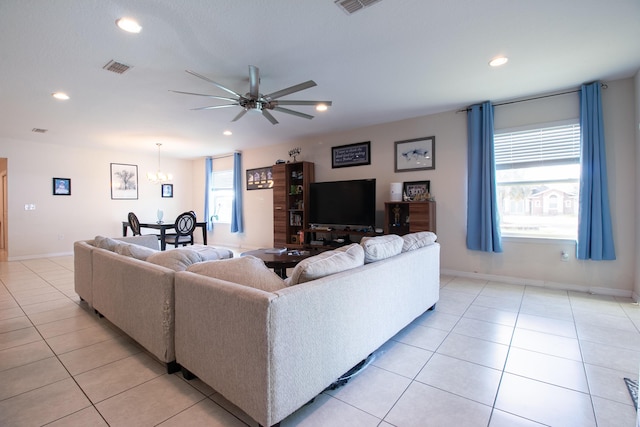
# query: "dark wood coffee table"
280, 262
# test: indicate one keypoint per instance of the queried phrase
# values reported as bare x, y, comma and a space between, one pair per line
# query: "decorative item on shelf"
416, 191
294, 153
396, 191
159, 177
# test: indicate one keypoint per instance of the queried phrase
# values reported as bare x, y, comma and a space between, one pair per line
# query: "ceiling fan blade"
327, 103
289, 90
213, 83
213, 107
254, 81
295, 113
269, 117
202, 94
240, 114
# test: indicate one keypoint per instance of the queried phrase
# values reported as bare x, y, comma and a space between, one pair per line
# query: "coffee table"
280, 262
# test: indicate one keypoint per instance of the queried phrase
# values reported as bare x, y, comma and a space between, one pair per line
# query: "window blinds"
538, 147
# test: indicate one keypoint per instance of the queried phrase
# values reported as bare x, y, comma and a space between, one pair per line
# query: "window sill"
539, 240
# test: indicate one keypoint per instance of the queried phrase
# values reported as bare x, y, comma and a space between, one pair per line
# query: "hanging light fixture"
159, 177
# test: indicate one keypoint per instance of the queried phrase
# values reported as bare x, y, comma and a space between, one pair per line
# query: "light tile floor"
491, 354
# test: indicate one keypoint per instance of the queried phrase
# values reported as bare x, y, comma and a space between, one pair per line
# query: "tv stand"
335, 237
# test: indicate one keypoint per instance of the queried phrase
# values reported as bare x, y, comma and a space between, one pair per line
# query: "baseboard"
542, 284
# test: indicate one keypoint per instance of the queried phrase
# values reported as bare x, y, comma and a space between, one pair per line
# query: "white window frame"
521, 172
222, 196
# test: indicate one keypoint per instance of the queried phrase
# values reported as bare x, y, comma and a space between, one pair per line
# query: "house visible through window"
222, 196
537, 177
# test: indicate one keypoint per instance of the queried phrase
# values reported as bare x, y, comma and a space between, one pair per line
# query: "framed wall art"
351, 155
415, 154
167, 190
416, 191
259, 178
124, 181
61, 186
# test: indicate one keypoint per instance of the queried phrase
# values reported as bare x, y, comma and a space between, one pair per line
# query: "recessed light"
321, 107
227, 133
129, 25
498, 61
60, 95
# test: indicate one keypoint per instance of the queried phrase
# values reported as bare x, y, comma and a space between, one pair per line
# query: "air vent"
116, 67
352, 6
38, 130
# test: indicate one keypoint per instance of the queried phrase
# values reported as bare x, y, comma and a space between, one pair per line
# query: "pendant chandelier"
159, 177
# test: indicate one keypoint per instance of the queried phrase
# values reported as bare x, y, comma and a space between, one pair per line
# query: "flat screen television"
346, 203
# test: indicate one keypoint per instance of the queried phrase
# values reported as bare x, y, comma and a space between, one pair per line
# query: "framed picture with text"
351, 155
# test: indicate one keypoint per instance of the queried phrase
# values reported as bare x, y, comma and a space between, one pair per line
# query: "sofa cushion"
134, 251
208, 253
106, 243
381, 247
247, 270
417, 240
176, 260
326, 263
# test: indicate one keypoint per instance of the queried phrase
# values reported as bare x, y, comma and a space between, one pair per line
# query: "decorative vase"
160, 215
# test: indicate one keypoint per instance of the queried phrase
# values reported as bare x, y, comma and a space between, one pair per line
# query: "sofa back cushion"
105, 243
417, 240
246, 270
208, 253
380, 247
176, 260
134, 251
326, 263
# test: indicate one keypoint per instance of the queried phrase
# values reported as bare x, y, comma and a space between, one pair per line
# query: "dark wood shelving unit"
291, 202
409, 217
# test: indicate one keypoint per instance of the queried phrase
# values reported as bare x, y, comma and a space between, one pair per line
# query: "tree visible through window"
537, 177
222, 196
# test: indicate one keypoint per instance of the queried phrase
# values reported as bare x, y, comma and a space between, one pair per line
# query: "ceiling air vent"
38, 130
352, 6
116, 67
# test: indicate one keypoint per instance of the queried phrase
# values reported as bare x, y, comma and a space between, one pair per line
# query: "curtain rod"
223, 156
602, 85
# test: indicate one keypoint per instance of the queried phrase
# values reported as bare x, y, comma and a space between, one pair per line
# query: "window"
537, 177
222, 196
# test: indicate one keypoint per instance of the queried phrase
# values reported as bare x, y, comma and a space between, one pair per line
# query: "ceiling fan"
256, 101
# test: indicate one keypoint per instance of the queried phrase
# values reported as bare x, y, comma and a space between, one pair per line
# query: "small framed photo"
416, 191
351, 155
416, 154
61, 186
167, 190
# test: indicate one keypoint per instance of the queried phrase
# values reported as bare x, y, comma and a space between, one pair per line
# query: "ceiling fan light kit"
255, 101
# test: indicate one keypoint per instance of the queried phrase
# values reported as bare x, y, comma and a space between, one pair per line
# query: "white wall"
58, 221
524, 261
637, 192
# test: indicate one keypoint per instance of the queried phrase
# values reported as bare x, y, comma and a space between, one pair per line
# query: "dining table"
163, 227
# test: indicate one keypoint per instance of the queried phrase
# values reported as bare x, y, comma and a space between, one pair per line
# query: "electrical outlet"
564, 256
60, 236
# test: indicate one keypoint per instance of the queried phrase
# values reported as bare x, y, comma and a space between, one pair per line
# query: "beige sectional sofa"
271, 348
131, 283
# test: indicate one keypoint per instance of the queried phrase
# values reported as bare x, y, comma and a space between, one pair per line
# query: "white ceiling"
390, 61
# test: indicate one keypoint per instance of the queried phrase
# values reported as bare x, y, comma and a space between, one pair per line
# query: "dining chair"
184, 226
134, 224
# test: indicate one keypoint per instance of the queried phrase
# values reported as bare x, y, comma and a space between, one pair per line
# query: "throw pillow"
247, 270
176, 260
326, 263
417, 240
381, 247
134, 251
106, 243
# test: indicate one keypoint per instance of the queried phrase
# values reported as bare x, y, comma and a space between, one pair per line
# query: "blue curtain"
483, 228
236, 209
595, 236
208, 179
